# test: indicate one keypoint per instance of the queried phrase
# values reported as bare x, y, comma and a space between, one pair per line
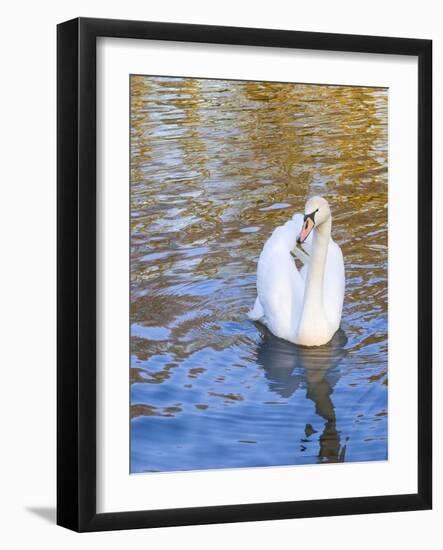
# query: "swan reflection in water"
288, 367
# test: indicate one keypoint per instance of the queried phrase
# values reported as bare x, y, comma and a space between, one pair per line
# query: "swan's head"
316, 212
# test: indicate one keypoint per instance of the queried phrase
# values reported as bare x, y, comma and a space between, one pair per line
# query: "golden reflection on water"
215, 167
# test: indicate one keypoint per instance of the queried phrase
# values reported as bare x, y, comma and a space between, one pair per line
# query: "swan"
303, 307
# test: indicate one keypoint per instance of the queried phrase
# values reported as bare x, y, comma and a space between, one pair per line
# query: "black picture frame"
76, 265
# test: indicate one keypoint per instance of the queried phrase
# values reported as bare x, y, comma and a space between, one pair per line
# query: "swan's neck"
313, 316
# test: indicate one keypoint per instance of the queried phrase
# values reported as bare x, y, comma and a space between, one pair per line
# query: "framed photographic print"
244, 274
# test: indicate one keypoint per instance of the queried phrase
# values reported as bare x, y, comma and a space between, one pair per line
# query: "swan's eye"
311, 216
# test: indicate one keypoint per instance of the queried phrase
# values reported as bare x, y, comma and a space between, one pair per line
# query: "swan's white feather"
334, 285
256, 313
281, 286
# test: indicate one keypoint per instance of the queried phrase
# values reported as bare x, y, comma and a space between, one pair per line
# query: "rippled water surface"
215, 167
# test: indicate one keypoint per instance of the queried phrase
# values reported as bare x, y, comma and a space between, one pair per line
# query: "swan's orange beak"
308, 226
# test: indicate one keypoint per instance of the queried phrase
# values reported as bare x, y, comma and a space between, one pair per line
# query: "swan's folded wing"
256, 313
279, 285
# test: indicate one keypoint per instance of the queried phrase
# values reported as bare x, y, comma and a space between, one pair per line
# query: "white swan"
303, 306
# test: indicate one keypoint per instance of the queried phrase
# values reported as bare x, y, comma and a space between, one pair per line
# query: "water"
215, 167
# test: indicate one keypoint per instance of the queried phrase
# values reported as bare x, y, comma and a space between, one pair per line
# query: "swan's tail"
256, 312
